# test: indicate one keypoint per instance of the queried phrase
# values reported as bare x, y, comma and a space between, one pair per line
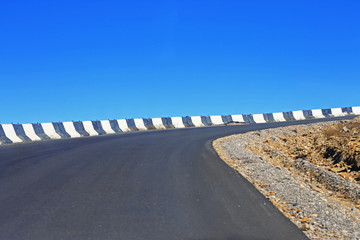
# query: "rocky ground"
311, 173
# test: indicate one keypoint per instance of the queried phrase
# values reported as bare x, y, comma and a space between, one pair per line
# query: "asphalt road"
167, 184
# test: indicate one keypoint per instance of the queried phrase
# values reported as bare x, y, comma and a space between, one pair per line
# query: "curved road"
166, 184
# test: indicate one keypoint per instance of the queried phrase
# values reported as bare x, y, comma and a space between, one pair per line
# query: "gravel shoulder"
320, 199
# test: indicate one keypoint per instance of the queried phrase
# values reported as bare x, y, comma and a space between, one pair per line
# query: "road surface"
167, 184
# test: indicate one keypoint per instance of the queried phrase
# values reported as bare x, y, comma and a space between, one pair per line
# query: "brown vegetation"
335, 147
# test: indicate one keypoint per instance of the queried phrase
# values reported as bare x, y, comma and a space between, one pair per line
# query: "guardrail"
16, 133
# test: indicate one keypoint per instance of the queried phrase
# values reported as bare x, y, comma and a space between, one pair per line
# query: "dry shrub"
357, 119
343, 129
333, 131
353, 125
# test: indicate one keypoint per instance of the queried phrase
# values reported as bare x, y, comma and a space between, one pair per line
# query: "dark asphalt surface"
166, 184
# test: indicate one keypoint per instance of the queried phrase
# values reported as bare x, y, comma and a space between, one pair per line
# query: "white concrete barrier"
126, 125
158, 124
216, 120
317, 113
123, 125
70, 129
337, 112
279, 117
106, 126
88, 126
30, 132
299, 115
50, 130
196, 120
259, 118
177, 122
238, 118
356, 110
139, 123
10, 133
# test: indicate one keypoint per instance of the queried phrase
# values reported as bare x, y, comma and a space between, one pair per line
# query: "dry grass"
333, 131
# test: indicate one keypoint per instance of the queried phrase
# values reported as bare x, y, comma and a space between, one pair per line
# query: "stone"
305, 219
305, 227
345, 129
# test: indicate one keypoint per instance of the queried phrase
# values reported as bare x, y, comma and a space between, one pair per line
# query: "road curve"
166, 184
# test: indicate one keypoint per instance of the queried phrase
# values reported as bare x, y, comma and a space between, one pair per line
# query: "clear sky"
94, 60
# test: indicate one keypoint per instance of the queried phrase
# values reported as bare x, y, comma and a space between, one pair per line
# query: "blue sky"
89, 60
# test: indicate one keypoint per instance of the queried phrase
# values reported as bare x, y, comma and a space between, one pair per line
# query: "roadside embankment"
309, 172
